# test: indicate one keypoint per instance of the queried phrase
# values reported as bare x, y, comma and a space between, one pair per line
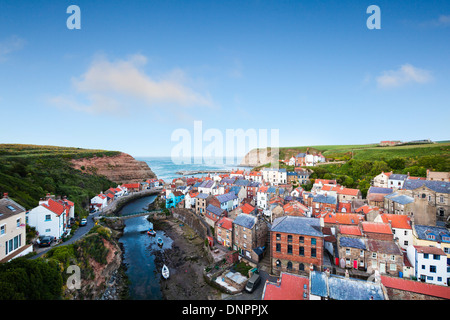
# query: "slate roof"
202, 195
324, 199
242, 182
226, 197
437, 186
380, 190
341, 288
206, 184
297, 225
245, 220
401, 199
352, 243
382, 246
9, 208
396, 176
215, 210
438, 232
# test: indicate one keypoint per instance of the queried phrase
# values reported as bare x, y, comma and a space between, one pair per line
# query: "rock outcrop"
121, 168
258, 157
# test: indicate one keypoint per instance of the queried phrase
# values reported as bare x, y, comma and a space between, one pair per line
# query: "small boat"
151, 232
165, 272
160, 241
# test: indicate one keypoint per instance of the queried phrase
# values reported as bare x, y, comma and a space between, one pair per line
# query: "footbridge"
132, 215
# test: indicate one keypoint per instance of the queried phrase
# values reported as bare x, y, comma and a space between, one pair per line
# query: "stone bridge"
131, 215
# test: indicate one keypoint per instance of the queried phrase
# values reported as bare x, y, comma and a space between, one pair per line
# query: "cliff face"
258, 157
121, 168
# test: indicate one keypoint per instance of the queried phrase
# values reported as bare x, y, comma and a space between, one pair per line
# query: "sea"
165, 168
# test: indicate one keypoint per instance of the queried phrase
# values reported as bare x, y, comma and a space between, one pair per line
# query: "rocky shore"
186, 261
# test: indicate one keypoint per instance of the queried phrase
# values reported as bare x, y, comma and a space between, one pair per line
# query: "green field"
370, 151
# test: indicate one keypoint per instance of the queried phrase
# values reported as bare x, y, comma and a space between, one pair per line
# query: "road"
76, 236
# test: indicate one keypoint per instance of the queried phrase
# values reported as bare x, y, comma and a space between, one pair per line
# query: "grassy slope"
370, 151
29, 172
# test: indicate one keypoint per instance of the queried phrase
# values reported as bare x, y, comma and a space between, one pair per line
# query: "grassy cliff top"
29, 150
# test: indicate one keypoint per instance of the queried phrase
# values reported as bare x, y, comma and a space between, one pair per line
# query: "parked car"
45, 241
83, 222
253, 282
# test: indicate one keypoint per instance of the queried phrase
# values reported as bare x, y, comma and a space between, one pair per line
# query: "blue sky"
138, 70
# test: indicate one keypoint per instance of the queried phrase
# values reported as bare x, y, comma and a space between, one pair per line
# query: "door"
382, 267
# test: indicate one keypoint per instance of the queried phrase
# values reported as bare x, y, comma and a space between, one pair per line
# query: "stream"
139, 248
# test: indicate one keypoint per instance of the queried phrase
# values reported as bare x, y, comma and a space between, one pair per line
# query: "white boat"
165, 272
160, 241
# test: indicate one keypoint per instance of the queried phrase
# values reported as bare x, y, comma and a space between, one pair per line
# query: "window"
301, 251
393, 267
361, 253
289, 249
425, 255
48, 217
289, 238
313, 241
347, 252
406, 232
278, 236
392, 258
374, 255
313, 252
278, 263
2, 229
301, 267
289, 265
18, 223
278, 247
301, 239
433, 269
436, 257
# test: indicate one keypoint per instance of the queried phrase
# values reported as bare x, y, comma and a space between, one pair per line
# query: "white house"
206, 186
401, 228
396, 181
291, 161
50, 217
274, 176
99, 202
262, 197
382, 180
430, 264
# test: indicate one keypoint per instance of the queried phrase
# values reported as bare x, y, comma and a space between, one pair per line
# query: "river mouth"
139, 249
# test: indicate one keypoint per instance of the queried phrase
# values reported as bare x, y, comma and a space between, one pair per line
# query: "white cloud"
121, 85
441, 21
10, 45
404, 75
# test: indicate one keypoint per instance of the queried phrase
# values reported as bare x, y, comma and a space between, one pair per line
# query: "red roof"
430, 250
376, 227
366, 208
53, 206
131, 185
225, 223
247, 208
290, 287
346, 191
350, 230
342, 218
416, 286
399, 221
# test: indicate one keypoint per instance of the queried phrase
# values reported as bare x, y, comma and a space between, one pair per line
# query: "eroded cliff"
121, 168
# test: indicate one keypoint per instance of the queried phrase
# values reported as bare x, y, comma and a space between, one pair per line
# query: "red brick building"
296, 245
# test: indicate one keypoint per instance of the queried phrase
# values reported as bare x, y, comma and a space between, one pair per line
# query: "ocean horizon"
166, 168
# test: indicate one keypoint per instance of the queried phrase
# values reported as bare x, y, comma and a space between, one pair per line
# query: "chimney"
5, 195
346, 273
327, 272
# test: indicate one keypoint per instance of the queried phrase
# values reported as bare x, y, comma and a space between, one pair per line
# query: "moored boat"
165, 272
160, 241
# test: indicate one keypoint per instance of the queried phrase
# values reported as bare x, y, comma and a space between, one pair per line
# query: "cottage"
224, 231
228, 201
396, 181
384, 257
375, 195
401, 228
213, 214
51, 217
